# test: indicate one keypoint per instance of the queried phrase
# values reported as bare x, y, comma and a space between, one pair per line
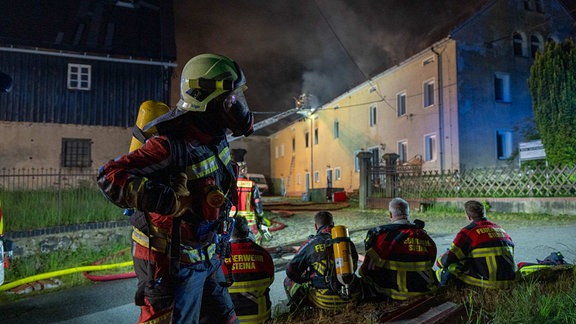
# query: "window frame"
79, 77
502, 91
430, 147
504, 146
401, 104
428, 93
76, 152
373, 116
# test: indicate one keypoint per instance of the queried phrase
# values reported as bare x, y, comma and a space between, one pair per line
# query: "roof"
138, 28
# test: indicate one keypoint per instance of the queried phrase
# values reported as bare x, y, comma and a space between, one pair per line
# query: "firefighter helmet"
212, 85
206, 77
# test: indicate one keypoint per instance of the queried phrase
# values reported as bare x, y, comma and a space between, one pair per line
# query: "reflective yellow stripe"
322, 299
202, 168
492, 251
398, 265
486, 283
225, 155
159, 244
258, 286
196, 255
244, 184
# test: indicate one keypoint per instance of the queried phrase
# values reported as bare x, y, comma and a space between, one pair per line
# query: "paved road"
111, 302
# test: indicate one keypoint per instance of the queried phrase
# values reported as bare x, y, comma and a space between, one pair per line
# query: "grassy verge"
549, 298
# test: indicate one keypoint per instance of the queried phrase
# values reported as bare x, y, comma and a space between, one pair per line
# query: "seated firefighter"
482, 254
399, 257
312, 276
253, 272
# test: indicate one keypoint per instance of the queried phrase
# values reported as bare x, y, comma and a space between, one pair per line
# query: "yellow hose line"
63, 272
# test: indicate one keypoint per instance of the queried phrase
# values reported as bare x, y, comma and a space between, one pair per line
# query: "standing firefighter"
182, 184
250, 206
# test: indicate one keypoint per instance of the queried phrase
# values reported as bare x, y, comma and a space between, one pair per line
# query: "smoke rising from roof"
321, 47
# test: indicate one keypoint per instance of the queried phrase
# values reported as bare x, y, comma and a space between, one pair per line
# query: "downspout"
440, 109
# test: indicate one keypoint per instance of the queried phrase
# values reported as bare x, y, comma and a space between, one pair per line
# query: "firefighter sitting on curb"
182, 184
253, 273
482, 254
399, 257
314, 278
250, 206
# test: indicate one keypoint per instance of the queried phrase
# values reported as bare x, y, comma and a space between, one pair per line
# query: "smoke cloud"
321, 47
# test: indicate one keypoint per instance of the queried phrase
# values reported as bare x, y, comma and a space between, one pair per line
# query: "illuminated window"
79, 76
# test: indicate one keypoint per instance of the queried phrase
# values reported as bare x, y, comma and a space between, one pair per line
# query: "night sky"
321, 47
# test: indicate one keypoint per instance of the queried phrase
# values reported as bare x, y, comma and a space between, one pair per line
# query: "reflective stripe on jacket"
399, 261
483, 254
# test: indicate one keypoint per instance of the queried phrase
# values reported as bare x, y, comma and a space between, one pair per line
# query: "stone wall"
69, 238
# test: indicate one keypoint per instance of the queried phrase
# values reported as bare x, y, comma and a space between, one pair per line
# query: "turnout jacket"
253, 273
482, 254
250, 205
205, 161
399, 260
314, 264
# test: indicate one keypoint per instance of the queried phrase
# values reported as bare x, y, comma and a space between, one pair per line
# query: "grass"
535, 299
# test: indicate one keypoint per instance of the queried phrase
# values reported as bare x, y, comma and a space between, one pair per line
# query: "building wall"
352, 112
36, 145
485, 49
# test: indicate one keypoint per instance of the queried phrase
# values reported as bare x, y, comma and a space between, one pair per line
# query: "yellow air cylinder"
342, 255
149, 110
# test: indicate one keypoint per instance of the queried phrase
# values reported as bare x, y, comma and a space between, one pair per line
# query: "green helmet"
205, 77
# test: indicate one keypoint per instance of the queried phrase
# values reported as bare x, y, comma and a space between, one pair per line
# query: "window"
281, 149
518, 44
316, 176
79, 76
535, 45
502, 87
337, 174
503, 144
430, 147
356, 161
428, 61
293, 144
403, 151
528, 5
401, 104
76, 153
372, 116
315, 136
306, 137
298, 180
276, 152
428, 93
336, 129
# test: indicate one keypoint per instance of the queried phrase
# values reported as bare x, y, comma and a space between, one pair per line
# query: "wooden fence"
480, 182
